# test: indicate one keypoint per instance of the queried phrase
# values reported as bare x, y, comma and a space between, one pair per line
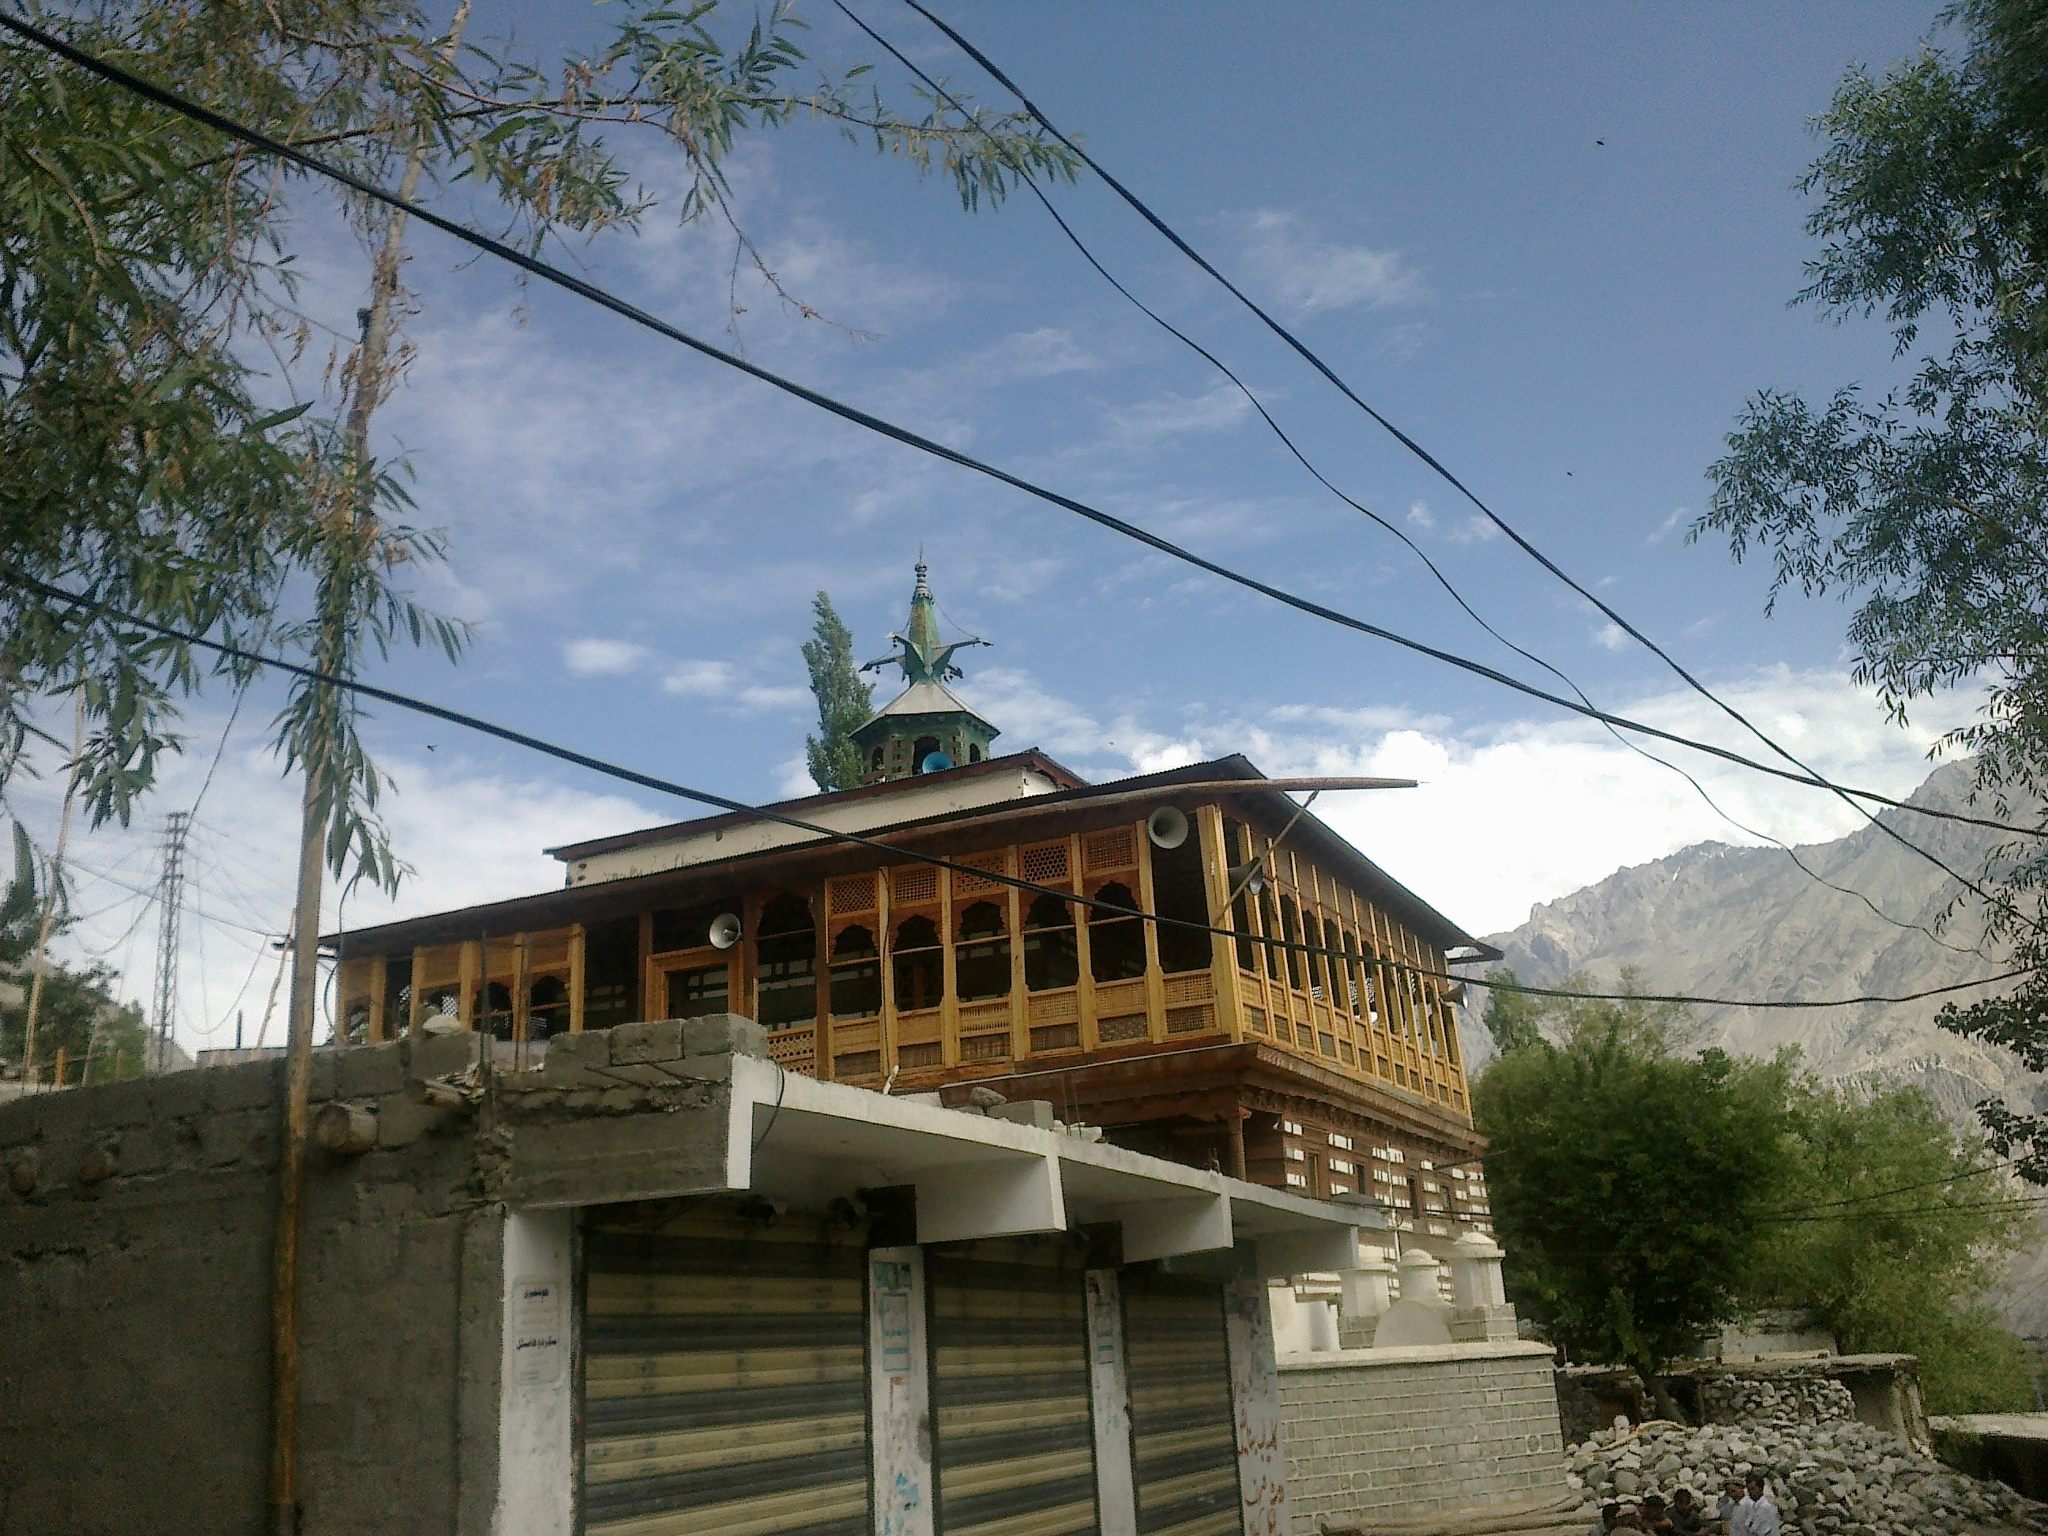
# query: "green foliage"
844, 700
78, 1013
1627, 1179
1927, 503
168, 446
1514, 1019
1889, 1227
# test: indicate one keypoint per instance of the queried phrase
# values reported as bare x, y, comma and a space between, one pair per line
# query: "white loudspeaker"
725, 931
1249, 876
1167, 827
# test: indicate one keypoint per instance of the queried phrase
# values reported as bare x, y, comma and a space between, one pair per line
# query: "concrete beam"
1161, 1229
1314, 1251
1009, 1197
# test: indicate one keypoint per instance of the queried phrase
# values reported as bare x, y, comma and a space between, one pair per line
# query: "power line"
1030, 182
2007, 1203
1901, 1189
862, 840
626, 310
1138, 205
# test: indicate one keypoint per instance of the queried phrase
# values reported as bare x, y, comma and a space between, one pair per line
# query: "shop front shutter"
1013, 1444
725, 1378
1183, 1433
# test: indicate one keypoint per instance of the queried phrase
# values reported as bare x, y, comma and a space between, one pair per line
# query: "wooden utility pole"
351, 540
40, 965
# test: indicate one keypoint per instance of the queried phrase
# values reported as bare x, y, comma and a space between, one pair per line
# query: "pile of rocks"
1832, 1478
1792, 1399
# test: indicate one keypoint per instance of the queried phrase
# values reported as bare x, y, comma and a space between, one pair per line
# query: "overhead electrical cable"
1139, 206
627, 310
896, 850
1901, 1189
1023, 173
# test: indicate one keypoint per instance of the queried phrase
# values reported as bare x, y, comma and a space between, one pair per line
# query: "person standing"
1756, 1515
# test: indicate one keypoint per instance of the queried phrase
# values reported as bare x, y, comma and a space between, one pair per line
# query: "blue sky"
1554, 243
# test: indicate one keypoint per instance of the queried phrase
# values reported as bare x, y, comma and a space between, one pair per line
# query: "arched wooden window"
1241, 902
547, 1008
1356, 986
1116, 945
1269, 925
1290, 922
495, 1006
1180, 895
1052, 958
354, 1027
785, 963
1330, 965
918, 965
981, 958
856, 974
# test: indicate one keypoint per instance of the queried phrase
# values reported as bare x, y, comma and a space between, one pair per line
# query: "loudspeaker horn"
725, 931
1250, 876
1167, 827
935, 762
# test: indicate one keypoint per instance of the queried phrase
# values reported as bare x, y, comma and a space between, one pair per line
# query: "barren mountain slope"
1719, 921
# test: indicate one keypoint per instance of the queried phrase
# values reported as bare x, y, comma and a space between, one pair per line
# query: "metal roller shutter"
725, 1379
1183, 1434
1014, 1448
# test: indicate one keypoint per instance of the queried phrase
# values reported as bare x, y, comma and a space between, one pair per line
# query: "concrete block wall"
1393, 1433
137, 1223
137, 1233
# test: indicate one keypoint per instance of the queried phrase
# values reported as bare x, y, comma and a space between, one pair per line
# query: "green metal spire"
926, 727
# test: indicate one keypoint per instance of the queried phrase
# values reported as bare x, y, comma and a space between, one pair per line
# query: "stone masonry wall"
1401, 1432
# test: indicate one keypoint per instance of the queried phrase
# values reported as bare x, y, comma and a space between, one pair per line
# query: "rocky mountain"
1745, 922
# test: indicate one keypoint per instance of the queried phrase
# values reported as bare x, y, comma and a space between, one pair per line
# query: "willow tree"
174, 443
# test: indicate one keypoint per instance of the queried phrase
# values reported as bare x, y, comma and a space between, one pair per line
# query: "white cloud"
1669, 526
1312, 274
1611, 636
770, 698
1419, 516
698, 679
1476, 529
240, 865
1214, 410
594, 656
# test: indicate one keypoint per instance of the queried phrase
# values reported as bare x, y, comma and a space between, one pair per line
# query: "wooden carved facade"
918, 973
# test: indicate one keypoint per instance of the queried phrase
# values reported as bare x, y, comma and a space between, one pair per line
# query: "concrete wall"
136, 1251
1403, 1432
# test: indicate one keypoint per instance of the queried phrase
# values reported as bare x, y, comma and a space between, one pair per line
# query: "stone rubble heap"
1795, 1399
1830, 1475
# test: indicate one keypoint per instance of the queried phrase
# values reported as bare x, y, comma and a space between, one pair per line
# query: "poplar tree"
844, 700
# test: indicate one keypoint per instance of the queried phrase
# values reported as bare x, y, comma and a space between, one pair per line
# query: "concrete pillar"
1109, 1386
1475, 1272
1284, 1319
536, 1464
1480, 1309
1421, 1276
1321, 1316
899, 1392
1369, 1289
1255, 1406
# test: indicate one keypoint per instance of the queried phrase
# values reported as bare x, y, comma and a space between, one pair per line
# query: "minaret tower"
925, 728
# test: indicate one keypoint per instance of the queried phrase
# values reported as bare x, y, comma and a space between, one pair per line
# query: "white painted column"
1255, 1404
899, 1393
1109, 1383
537, 1408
